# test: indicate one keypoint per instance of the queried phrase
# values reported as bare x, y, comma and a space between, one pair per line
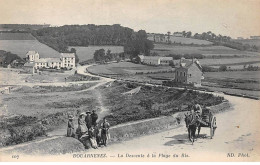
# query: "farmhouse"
155, 60
189, 72
66, 60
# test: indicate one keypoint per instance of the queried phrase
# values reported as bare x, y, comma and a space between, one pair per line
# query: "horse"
192, 124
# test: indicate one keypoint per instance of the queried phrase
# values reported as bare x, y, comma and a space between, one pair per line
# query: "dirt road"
237, 132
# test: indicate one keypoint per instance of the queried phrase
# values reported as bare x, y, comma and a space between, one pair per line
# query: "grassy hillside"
182, 40
16, 36
165, 49
21, 47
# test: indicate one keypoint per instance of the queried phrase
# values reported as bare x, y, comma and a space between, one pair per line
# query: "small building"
155, 60
177, 34
31, 56
189, 72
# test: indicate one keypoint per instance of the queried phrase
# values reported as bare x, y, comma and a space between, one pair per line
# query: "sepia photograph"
130, 80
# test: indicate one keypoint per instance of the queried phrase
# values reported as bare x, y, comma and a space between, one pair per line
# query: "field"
125, 68
208, 51
228, 61
183, 40
86, 53
250, 42
16, 36
237, 82
21, 47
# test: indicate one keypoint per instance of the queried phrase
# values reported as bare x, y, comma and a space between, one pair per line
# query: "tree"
109, 55
73, 50
99, 55
138, 43
188, 34
184, 33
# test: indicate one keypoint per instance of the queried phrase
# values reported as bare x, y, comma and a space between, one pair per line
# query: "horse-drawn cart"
207, 119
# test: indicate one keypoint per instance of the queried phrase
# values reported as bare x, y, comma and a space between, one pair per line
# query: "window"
184, 74
177, 73
190, 75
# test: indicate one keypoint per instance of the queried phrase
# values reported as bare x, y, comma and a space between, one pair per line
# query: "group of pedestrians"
97, 134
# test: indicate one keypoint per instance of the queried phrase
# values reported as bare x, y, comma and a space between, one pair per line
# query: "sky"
235, 18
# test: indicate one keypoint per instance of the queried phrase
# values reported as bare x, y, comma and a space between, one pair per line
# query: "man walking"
88, 120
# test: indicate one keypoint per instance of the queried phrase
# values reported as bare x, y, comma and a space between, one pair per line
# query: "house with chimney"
188, 72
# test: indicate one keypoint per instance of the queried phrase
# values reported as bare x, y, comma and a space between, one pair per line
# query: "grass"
183, 40
16, 36
21, 47
78, 77
86, 53
239, 82
208, 51
125, 68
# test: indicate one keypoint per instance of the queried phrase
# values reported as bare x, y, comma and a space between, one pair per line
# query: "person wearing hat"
70, 129
82, 125
198, 109
94, 118
88, 120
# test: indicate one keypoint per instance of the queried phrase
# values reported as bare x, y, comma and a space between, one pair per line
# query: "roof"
31, 52
67, 55
53, 59
41, 60
188, 63
156, 58
48, 60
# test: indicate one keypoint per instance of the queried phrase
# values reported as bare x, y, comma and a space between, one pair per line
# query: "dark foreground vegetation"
8, 58
151, 102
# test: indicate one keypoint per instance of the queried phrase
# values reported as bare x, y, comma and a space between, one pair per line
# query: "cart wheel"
213, 127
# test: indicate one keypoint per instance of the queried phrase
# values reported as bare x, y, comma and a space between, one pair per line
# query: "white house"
32, 55
68, 60
155, 60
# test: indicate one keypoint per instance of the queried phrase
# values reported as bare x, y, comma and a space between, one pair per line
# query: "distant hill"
22, 27
183, 40
16, 36
59, 38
